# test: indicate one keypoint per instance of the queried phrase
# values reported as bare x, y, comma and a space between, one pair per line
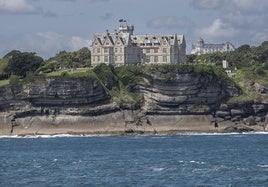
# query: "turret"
126, 29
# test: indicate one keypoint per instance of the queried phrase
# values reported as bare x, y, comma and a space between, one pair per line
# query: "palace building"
124, 48
202, 48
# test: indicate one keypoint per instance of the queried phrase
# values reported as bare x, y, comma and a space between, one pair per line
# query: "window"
147, 50
115, 58
106, 50
106, 58
155, 58
120, 58
98, 50
164, 58
115, 50
164, 50
98, 57
156, 50
147, 58
120, 50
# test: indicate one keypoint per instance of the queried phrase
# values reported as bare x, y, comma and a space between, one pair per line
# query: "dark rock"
250, 121
259, 107
222, 114
236, 118
223, 106
240, 128
237, 112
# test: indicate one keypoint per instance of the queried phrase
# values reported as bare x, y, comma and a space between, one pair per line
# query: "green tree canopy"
76, 59
21, 63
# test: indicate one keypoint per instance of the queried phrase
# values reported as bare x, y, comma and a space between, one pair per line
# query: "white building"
123, 48
202, 48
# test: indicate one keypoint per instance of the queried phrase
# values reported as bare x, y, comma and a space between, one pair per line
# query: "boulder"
240, 128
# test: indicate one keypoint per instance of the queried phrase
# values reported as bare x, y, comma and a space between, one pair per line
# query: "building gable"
96, 42
107, 40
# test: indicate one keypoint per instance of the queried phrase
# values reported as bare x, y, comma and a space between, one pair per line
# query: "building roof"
126, 39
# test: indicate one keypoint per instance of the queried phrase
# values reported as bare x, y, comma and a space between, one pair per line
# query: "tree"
20, 63
76, 59
191, 59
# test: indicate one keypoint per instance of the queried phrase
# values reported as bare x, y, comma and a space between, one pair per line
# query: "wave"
54, 136
221, 134
145, 135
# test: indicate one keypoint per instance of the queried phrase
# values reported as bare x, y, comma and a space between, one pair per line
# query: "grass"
70, 72
243, 78
243, 98
4, 82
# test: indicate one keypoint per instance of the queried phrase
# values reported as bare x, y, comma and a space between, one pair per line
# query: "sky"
49, 26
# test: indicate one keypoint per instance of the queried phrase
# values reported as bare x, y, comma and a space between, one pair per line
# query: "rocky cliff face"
55, 102
185, 93
58, 92
55, 96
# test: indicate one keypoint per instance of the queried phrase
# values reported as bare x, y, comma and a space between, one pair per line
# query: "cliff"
180, 100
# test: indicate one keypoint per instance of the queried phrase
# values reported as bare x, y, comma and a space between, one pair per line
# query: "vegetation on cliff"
249, 63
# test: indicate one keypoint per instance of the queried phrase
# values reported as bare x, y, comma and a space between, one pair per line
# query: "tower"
126, 29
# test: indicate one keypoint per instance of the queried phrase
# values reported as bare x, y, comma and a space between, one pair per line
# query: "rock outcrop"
185, 93
57, 105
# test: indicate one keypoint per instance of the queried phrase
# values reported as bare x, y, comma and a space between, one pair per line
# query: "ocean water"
182, 160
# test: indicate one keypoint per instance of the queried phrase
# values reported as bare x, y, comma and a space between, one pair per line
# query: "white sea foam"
158, 169
55, 136
197, 162
153, 136
37, 166
263, 166
221, 134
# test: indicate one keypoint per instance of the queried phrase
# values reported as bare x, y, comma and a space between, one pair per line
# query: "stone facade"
202, 48
124, 48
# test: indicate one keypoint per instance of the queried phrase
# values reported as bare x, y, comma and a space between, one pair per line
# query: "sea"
142, 161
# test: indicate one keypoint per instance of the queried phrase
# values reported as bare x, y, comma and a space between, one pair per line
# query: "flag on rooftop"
122, 20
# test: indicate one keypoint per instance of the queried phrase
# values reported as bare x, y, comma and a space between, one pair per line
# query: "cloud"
250, 6
169, 22
45, 44
77, 42
16, 7
217, 30
206, 4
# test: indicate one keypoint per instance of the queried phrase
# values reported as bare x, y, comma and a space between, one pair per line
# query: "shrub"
107, 76
65, 74
14, 80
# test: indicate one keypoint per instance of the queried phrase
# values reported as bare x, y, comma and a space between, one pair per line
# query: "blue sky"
49, 26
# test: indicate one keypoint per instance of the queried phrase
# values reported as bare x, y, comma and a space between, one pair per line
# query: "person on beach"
216, 124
